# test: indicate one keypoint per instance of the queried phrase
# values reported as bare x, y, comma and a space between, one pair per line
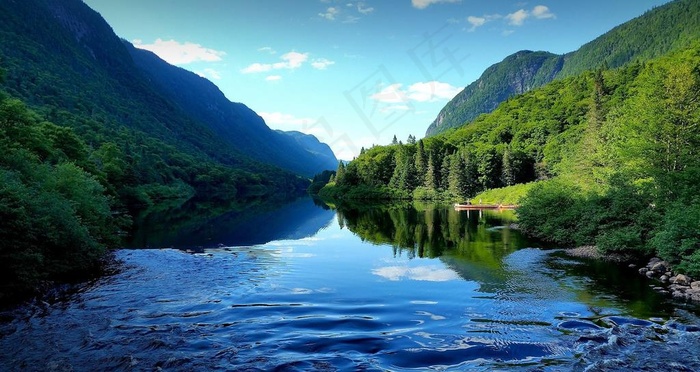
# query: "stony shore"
679, 286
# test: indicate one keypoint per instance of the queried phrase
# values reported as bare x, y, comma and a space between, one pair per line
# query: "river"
302, 287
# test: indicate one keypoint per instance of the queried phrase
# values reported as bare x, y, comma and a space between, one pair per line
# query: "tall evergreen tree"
421, 163
431, 181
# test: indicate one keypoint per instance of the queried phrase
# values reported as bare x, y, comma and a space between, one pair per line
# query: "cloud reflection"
421, 273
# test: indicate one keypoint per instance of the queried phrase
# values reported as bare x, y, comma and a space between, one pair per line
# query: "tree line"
613, 154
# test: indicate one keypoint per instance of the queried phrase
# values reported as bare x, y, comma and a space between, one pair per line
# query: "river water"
403, 287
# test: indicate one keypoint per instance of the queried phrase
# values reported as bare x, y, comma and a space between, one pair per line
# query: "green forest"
69, 193
88, 142
609, 159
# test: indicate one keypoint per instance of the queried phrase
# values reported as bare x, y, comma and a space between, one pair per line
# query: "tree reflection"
431, 231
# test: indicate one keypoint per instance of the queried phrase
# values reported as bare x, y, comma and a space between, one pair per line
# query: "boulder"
660, 267
643, 270
678, 294
695, 285
680, 279
650, 274
653, 261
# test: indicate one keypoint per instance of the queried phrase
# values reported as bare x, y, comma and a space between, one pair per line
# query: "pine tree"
431, 175
420, 163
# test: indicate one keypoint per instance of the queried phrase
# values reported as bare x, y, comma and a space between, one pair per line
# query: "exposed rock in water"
681, 279
591, 251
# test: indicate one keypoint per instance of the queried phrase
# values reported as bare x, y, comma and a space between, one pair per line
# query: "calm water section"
402, 287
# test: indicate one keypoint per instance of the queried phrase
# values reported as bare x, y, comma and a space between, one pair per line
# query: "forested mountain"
653, 34
311, 144
63, 56
610, 155
516, 74
233, 122
88, 137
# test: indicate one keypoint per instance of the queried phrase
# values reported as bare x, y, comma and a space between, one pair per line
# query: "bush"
678, 238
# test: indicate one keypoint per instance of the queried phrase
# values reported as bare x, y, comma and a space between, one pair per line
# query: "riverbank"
668, 282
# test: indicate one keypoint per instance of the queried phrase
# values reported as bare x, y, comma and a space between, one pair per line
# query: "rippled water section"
338, 302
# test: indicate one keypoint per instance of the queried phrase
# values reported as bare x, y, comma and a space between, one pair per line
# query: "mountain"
233, 122
64, 60
655, 33
312, 145
516, 74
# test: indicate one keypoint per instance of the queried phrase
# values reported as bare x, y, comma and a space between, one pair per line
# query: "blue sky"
354, 73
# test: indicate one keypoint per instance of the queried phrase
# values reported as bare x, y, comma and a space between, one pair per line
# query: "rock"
660, 267
632, 266
664, 278
653, 261
678, 287
659, 288
668, 274
680, 279
695, 285
678, 294
643, 270
650, 274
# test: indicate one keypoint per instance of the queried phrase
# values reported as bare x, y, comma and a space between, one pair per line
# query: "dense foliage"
89, 139
613, 151
56, 217
661, 30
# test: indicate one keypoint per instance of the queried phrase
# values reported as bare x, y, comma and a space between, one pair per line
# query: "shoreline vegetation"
607, 159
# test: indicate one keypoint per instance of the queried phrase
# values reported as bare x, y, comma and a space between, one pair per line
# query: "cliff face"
517, 74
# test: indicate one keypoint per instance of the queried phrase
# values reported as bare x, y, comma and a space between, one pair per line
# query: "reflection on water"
403, 287
196, 226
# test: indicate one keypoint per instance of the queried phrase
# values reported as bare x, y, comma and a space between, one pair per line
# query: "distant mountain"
233, 122
63, 59
315, 147
516, 74
653, 34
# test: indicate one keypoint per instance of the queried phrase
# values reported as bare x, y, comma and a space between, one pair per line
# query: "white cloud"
422, 4
178, 53
321, 63
273, 78
419, 92
539, 12
267, 50
517, 18
290, 61
330, 13
432, 91
422, 273
209, 73
364, 9
391, 94
542, 12
476, 22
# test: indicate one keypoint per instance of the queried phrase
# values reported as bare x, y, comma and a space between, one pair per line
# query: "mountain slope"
233, 122
655, 33
62, 58
516, 74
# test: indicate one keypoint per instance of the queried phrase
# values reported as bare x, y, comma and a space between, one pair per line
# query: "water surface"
404, 287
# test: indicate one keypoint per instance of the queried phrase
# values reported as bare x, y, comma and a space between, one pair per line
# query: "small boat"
474, 207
